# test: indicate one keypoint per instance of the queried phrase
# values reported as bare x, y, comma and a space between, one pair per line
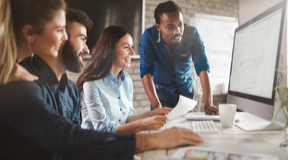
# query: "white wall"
251, 8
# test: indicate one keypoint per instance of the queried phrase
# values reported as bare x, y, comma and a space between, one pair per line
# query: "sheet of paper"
183, 106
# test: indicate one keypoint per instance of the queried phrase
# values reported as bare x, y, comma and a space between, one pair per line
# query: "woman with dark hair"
107, 90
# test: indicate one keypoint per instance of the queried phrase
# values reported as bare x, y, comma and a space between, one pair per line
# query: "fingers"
31, 78
212, 111
190, 138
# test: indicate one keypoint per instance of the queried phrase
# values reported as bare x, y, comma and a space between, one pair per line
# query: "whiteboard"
217, 33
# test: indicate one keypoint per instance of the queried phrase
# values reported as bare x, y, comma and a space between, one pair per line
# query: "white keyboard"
204, 127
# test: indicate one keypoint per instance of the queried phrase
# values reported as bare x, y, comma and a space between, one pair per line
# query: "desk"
231, 139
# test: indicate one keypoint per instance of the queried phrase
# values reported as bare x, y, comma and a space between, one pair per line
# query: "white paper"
216, 154
183, 106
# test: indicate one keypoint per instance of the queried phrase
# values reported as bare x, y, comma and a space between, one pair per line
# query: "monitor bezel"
271, 100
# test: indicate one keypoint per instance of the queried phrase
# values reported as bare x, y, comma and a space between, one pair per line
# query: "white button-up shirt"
106, 105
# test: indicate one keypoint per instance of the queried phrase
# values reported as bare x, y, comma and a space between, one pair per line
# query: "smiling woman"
107, 90
37, 27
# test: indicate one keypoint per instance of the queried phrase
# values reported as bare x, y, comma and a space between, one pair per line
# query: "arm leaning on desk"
31, 129
230, 139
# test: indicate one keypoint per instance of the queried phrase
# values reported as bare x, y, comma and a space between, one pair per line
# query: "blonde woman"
9, 70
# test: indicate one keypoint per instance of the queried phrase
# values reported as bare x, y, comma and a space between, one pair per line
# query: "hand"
152, 123
20, 73
174, 137
161, 111
211, 111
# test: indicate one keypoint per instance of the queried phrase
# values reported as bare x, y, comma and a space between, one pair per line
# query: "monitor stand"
251, 122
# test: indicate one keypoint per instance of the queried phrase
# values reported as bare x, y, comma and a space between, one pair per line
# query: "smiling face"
75, 48
49, 41
171, 28
124, 52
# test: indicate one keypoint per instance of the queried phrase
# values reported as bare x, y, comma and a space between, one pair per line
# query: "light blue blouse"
106, 105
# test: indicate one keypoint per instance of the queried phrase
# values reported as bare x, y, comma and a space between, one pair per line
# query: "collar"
111, 77
46, 74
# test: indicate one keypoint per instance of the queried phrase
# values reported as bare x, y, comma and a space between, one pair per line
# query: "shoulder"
92, 84
189, 30
20, 90
72, 86
151, 33
26, 63
20, 86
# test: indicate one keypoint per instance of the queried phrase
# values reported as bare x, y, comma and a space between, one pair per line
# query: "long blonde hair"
8, 50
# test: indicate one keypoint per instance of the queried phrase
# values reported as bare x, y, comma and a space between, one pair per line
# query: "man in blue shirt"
166, 52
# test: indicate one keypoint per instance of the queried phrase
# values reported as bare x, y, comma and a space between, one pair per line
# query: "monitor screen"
255, 60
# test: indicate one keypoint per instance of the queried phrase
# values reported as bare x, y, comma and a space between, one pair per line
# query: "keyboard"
204, 127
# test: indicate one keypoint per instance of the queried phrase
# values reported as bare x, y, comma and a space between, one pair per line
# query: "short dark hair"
75, 15
165, 7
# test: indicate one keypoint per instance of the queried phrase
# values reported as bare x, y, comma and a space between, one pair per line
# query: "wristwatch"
205, 107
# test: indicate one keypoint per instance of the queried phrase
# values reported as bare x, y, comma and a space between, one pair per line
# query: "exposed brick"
140, 97
139, 90
202, 3
152, 8
129, 70
137, 84
225, 8
218, 6
144, 103
136, 70
135, 104
193, 2
135, 77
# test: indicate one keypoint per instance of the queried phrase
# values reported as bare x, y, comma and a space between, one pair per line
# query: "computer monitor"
255, 60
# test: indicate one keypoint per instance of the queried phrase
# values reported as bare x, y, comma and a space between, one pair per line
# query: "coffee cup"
227, 114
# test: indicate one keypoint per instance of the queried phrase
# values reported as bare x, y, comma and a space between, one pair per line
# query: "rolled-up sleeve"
146, 54
96, 111
199, 57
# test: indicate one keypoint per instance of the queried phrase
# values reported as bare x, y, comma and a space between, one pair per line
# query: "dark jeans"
169, 100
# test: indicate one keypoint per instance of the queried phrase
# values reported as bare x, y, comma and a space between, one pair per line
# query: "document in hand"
183, 106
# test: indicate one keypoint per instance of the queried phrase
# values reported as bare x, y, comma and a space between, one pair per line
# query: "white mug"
227, 114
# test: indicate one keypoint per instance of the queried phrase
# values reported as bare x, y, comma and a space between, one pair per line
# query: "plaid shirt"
32, 129
64, 98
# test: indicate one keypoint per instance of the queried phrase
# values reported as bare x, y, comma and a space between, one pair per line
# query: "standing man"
166, 52
57, 90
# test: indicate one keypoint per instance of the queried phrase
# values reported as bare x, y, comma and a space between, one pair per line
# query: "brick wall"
228, 8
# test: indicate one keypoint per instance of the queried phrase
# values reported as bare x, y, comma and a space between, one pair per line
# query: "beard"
71, 58
175, 45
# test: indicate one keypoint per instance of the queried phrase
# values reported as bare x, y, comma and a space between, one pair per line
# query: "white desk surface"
230, 139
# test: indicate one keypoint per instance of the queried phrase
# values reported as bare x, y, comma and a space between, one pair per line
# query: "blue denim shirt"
32, 129
106, 105
65, 97
171, 69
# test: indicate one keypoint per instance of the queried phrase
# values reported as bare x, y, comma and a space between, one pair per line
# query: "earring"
159, 38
